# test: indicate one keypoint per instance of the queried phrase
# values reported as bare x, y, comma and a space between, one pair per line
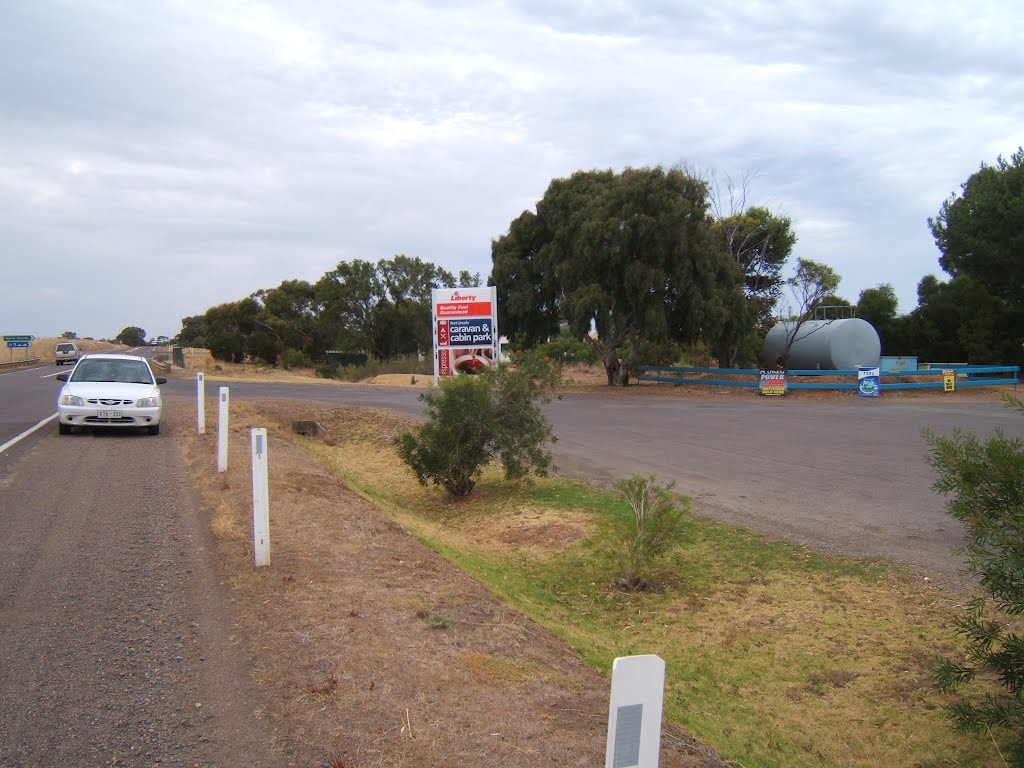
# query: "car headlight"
147, 402
71, 400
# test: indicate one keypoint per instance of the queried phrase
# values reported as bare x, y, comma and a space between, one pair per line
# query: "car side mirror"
160, 380
61, 377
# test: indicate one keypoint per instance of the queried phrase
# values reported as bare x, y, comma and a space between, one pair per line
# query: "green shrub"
473, 420
985, 483
567, 351
655, 526
294, 358
328, 371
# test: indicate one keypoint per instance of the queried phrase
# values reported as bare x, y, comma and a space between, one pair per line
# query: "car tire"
153, 429
63, 429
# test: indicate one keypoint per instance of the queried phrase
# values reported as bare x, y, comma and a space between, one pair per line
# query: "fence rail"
13, 363
966, 376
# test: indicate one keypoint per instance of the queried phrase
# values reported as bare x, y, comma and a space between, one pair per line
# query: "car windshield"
122, 371
65, 347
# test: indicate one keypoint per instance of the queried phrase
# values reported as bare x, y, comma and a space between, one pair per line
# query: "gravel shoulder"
117, 646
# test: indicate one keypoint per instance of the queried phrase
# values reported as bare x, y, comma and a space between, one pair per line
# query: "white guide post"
201, 402
222, 431
634, 712
260, 498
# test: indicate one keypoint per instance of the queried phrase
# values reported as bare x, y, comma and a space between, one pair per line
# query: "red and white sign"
461, 345
444, 362
463, 302
465, 309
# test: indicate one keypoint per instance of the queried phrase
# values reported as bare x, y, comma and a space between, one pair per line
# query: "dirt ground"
372, 649
583, 380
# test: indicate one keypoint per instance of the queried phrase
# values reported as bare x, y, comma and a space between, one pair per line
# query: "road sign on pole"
19, 338
13, 344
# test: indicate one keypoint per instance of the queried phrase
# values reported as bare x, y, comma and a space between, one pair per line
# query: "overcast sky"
158, 158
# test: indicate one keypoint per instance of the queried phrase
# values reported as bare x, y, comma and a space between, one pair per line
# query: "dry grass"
375, 651
776, 654
43, 349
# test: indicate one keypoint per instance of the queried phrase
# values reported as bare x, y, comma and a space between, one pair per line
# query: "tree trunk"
611, 367
605, 349
628, 366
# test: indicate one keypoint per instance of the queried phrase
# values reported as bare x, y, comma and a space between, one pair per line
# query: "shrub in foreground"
985, 483
655, 526
474, 420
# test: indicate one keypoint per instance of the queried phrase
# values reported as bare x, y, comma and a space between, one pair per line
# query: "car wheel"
63, 429
153, 429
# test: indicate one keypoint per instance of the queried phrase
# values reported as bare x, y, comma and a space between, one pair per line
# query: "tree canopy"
981, 232
760, 243
628, 255
978, 315
132, 336
382, 309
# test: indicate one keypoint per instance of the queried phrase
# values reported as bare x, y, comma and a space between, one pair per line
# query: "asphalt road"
846, 475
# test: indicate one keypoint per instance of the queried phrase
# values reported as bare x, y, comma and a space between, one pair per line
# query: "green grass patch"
776, 655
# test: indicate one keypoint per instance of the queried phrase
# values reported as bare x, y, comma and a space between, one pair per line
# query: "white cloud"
216, 148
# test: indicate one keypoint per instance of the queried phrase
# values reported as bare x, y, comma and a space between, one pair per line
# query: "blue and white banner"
868, 382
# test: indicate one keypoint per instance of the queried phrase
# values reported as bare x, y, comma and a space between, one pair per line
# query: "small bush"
655, 526
294, 358
328, 371
568, 352
984, 483
473, 420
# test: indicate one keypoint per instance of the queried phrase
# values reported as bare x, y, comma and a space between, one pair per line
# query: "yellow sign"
948, 380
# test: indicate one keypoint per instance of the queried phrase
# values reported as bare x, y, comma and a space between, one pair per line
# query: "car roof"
111, 356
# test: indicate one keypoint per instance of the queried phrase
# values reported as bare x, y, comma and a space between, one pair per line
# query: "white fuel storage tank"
842, 344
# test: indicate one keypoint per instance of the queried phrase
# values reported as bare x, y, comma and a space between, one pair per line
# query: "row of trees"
653, 261
651, 256
382, 309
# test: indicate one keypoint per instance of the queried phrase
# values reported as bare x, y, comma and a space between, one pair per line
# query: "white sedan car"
110, 391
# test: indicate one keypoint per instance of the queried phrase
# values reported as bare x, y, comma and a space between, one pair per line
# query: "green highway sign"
18, 338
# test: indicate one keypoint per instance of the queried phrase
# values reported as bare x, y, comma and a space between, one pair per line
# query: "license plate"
108, 414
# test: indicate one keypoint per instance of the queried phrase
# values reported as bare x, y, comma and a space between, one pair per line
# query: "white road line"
27, 432
20, 370
51, 375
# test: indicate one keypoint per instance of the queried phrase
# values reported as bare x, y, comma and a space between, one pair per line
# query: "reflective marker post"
222, 432
634, 712
260, 498
201, 402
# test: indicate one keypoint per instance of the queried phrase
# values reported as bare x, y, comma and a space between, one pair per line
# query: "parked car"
66, 352
106, 390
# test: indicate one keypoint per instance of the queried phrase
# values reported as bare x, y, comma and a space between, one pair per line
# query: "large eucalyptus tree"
627, 255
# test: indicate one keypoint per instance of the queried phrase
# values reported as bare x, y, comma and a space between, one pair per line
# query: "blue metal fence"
966, 376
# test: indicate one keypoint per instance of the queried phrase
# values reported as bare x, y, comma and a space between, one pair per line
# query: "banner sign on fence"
948, 380
868, 382
772, 382
465, 322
